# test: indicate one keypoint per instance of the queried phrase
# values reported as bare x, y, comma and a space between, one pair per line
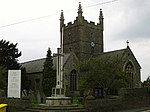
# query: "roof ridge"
115, 50
40, 59
109, 52
32, 60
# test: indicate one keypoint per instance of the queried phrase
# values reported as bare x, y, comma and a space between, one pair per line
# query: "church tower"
82, 37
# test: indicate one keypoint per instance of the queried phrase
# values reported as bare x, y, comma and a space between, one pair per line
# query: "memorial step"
68, 108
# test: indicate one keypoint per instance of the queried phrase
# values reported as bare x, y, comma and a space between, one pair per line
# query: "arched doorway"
73, 80
129, 70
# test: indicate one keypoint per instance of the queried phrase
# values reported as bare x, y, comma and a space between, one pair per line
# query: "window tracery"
129, 70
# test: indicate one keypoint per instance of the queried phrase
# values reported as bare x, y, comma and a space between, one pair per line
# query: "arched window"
129, 70
73, 80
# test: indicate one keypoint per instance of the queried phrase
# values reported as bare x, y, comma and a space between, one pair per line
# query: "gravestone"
24, 93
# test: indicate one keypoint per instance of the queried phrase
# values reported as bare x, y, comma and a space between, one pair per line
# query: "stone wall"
135, 97
127, 99
103, 105
16, 104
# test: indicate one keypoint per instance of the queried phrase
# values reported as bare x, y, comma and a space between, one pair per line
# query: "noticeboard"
14, 84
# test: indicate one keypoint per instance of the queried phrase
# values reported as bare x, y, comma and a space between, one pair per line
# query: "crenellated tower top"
80, 36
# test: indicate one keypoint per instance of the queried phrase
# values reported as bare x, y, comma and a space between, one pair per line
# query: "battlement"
70, 23
80, 33
92, 23
82, 22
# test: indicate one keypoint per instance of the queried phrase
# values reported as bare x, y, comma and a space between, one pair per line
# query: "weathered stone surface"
57, 101
127, 99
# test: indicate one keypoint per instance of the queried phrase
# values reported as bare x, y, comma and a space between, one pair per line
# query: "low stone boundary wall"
16, 104
103, 105
135, 97
127, 99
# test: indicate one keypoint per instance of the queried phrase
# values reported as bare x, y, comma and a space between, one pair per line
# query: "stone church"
81, 40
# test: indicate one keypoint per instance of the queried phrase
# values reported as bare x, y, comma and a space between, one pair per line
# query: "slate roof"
36, 66
119, 52
115, 52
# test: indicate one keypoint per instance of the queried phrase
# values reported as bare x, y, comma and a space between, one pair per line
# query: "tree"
146, 83
1, 77
49, 75
8, 61
24, 79
8, 55
104, 72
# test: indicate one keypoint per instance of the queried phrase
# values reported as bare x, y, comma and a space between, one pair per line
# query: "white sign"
14, 83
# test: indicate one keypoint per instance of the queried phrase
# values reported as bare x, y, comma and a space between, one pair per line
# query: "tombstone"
31, 95
38, 96
24, 93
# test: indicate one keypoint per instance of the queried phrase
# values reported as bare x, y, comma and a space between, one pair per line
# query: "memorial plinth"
57, 101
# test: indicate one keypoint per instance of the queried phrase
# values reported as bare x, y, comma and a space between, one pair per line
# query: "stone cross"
59, 90
127, 43
59, 77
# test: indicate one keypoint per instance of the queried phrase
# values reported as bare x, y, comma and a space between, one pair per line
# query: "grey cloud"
137, 20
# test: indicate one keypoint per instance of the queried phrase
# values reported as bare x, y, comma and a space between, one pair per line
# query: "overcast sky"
123, 20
